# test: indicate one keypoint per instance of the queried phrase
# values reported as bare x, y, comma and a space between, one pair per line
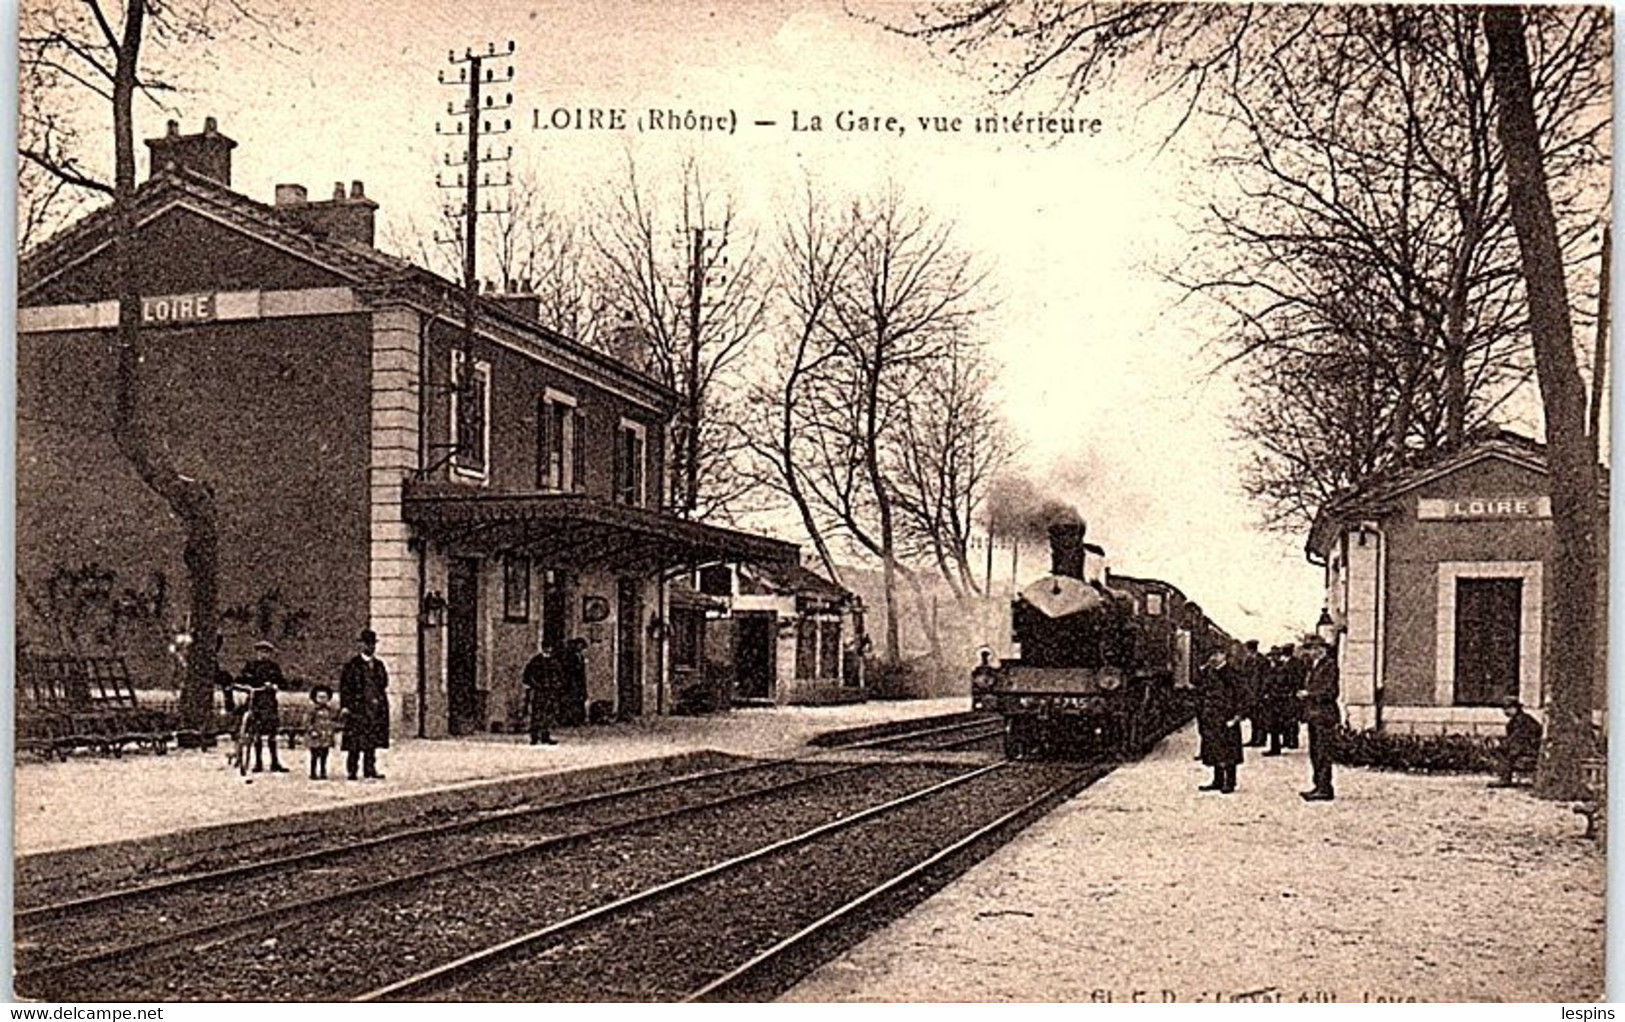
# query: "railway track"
735, 929
60, 945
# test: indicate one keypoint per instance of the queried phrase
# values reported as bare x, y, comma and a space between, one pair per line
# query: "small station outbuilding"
1438, 576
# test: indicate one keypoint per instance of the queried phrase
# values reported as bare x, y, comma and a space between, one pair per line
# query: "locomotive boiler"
1103, 661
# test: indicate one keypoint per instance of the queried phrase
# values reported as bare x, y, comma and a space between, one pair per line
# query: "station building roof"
1377, 494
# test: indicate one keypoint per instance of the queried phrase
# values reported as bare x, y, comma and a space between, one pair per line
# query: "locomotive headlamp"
1110, 682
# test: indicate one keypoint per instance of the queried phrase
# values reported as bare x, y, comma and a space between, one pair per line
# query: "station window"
631, 452
470, 418
1153, 604
560, 443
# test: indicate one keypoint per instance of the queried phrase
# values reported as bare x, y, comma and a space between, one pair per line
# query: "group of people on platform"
1274, 693
362, 713
555, 686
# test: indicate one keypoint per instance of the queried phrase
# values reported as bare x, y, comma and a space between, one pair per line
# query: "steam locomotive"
1103, 662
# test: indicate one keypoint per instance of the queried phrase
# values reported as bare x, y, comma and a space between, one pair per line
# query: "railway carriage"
1103, 662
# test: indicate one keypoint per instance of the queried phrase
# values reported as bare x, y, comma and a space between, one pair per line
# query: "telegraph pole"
473, 122
691, 438
704, 255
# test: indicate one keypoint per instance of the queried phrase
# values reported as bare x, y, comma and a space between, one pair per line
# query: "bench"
1595, 807
67, 703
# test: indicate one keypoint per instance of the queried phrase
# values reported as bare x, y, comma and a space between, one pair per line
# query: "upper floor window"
470, 418
631, 450
1153, 604
560, 443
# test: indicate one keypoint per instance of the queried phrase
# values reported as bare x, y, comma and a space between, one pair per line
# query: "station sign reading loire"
1456, 509
168, 309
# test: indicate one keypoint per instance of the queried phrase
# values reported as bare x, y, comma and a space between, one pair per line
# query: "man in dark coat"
364, 706
1251, 677
1218, 721
544, 681
1281, 685
1320, 710
1520, 749
573, 711
262, 679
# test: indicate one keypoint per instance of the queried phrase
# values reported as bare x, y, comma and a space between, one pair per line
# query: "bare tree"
905, 295
813, 252
696, 307
542, 248
1371, 226
949, 444
95, 49
1573, 469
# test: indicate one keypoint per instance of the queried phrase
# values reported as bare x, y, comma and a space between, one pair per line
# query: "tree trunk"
1573, 588
191, 500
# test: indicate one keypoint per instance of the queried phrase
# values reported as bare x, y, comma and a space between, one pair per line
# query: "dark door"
462, 646
628, 648
755, 635
555, 610
1488, 614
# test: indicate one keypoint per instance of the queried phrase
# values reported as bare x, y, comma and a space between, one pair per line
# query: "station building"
309, 378
1438, 577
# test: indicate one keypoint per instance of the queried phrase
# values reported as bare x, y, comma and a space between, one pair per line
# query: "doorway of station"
628, 648
463, 710
1489, 614
755, 636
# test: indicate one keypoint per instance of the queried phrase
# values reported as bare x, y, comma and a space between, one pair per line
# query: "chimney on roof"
344, 217
206, 154
517, 298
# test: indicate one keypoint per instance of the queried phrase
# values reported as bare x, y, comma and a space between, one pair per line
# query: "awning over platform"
575, 531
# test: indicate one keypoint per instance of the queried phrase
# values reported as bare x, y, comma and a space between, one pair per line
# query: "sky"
1102, 371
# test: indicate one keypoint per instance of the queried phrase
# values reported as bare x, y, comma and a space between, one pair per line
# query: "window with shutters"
559, 447
631, 486
470, 418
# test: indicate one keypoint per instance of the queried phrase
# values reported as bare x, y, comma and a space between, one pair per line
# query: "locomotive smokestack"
1066, 549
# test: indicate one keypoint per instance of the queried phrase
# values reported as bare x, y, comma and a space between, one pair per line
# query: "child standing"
319, 731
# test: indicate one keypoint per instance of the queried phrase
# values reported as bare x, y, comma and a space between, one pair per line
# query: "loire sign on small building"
1483, 508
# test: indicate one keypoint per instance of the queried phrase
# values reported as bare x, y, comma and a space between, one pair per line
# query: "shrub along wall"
1449, 754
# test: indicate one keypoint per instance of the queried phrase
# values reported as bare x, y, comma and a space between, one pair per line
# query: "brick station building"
308, 378
1438, 575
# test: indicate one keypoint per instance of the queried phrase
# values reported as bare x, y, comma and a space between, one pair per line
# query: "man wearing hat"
1321, 712
1520, 749
262, 679
364, 702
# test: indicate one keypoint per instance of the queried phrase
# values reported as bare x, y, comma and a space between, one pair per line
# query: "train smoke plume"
1017, 509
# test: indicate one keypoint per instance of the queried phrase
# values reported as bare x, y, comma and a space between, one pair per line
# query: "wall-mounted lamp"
433, 613
657, 628
1326, 628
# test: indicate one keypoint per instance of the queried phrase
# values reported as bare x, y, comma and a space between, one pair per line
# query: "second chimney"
345, 217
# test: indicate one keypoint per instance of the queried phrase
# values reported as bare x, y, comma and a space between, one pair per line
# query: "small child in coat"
324, 720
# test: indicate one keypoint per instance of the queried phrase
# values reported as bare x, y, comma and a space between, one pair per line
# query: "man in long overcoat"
364, 702
544, 683
1218, 721
1320, 710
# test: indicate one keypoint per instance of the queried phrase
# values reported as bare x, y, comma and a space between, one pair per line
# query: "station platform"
90, 801
1407, 887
